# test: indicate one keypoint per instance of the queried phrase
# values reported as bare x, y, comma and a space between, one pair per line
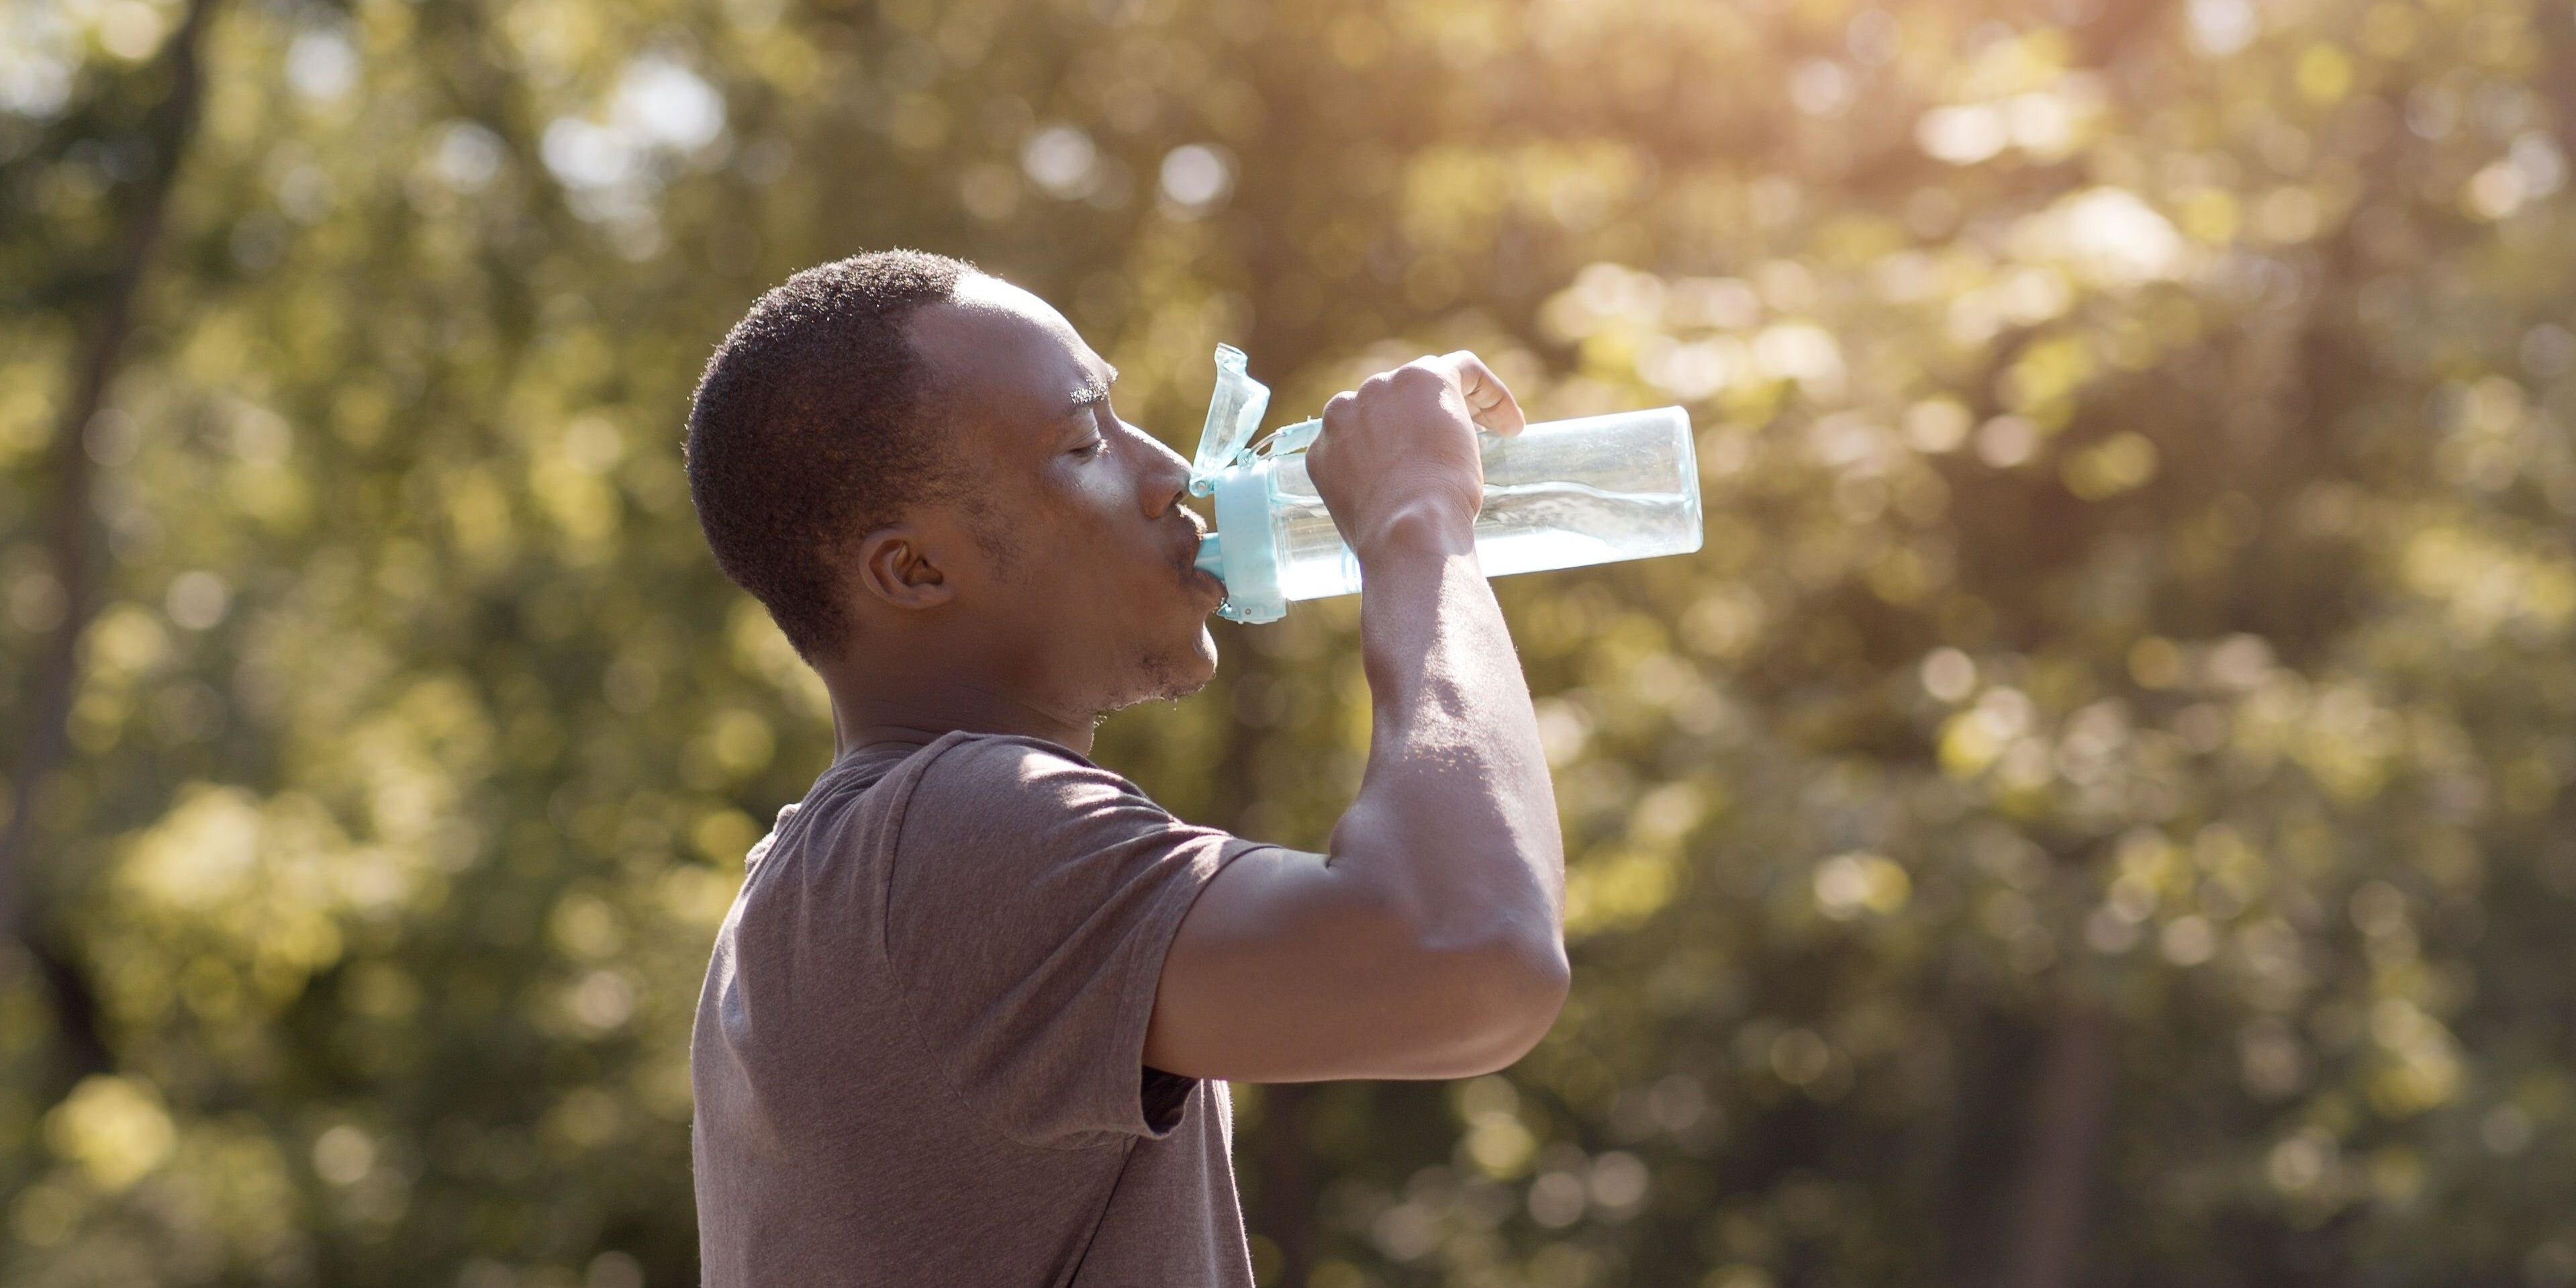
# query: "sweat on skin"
971, 1019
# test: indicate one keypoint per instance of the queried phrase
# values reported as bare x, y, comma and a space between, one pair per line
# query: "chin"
1193, 666
1176, 670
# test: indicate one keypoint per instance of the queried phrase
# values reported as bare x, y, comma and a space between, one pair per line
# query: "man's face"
1085, 589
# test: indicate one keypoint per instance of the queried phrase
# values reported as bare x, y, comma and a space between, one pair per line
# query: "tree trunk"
1281, 1153
2077, 1074
71, 537
1290, 1185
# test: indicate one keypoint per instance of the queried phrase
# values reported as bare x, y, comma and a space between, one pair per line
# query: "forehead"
996, 349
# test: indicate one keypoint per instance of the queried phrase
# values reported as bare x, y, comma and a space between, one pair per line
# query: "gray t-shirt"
919, 1056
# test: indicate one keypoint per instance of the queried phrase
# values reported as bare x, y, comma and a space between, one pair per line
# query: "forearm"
1455, 820
1429, 942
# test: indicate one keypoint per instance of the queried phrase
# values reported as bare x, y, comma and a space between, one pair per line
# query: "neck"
920, 708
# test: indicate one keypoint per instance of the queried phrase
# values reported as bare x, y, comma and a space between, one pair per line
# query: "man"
967, 1022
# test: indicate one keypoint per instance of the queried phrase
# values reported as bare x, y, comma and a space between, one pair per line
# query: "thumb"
1489, 403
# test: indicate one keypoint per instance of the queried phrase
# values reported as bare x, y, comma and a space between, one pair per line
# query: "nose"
1164, 477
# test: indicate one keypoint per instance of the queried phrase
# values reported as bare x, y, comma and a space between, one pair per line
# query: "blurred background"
2096, 812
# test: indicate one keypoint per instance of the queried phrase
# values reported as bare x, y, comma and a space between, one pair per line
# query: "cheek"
1066, 565
1092, 520
1081, 503
1083, 549
1047, 521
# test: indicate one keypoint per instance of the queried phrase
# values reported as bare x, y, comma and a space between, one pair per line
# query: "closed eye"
1098, 412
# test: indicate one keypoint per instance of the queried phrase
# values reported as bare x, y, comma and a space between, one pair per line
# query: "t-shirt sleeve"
1030, 902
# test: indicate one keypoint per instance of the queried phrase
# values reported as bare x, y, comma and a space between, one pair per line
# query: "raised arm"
1429, 943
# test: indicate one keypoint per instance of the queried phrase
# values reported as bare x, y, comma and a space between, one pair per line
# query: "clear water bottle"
1561, 494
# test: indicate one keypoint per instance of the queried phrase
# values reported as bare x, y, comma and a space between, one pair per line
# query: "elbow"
1453, 988
1508, 997
1534, 996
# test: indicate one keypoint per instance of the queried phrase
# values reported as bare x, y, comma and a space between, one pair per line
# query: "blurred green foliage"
2095, 811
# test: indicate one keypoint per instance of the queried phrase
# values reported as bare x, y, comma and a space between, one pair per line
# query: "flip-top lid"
1233, 416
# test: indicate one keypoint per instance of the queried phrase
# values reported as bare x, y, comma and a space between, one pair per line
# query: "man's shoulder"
1004, 770
969, 751
899, 770
1018, 799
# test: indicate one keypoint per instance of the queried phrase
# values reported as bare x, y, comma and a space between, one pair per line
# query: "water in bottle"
1561, 494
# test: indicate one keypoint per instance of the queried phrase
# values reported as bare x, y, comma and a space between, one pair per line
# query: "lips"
1201, 580
1196, 578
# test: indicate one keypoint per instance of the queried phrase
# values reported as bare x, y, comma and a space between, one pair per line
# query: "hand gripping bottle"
1561, 494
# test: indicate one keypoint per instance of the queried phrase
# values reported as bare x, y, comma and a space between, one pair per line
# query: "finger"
1338, 409
1489, 403
1337, 422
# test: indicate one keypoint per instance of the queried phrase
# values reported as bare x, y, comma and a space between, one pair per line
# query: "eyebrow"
1091, 391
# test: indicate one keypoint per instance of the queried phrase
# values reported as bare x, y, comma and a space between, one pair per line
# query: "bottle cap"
1242, 551
1233, 416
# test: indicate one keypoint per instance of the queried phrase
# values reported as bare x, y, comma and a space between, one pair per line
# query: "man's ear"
895, 565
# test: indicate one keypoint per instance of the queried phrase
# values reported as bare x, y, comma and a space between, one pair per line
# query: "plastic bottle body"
1561, 494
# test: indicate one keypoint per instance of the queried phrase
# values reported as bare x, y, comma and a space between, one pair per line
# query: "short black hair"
807, 432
